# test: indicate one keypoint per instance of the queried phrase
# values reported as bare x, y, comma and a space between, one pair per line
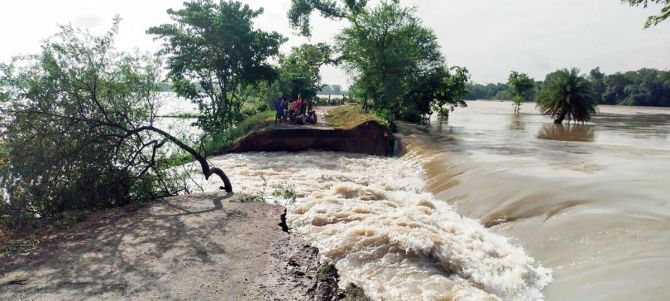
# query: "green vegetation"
215, 55
349, 116
355, 293
399, 70
521, 87
566, 94
79, 130
228, 137
286, 192
258, 197
213, 144
18, 245
488, 91
301, 10
300, 70
653, 20
645, 87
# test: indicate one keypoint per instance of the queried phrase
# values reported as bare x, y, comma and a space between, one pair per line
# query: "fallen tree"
80, 130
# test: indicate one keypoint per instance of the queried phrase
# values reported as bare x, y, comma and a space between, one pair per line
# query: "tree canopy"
656, 19
213, 53
645, 87
300, 70
79, 129
397, 63
566, 94
301, 10
521, 88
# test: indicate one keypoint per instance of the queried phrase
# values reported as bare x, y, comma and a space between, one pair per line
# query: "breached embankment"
196, 247
372, 217
370, 138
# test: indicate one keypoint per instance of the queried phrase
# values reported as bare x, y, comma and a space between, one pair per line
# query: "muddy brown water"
487, 206
591, 202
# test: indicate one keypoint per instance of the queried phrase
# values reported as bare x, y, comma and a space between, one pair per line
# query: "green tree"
488, 91
597, 79
615, 85
214, 52
566, 94
645, 87
79, 129
397, 63
521, 88
653, 20
300, 70
301, 10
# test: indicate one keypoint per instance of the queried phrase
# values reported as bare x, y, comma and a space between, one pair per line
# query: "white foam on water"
372, 218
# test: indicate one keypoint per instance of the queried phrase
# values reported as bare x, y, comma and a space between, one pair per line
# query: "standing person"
309, 105
303, 105
279, 107
295, 109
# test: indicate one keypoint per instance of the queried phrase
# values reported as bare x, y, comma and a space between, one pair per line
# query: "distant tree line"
645, 87
488, 91
332, 90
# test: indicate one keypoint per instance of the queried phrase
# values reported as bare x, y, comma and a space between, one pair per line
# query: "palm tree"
566, 94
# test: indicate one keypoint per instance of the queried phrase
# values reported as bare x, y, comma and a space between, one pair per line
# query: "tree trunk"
560, 118
206, 169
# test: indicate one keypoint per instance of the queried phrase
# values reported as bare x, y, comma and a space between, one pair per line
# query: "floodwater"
591, 202
487, 206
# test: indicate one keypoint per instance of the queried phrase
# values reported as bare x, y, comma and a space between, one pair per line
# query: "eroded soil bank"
198, 247
370, 138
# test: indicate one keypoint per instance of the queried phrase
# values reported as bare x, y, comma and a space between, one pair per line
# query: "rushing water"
590, 202
587, 205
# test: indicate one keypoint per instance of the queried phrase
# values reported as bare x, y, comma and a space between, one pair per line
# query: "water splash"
372, 217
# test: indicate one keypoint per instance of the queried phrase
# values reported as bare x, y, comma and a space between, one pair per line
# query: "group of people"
300, 111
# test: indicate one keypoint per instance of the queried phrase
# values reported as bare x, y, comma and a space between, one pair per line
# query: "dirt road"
202, 247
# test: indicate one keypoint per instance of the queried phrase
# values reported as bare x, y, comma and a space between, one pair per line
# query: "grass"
258, 197
286, 192
350, 116
227, 138
355, 293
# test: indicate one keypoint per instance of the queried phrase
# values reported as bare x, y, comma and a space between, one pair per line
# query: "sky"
489, 37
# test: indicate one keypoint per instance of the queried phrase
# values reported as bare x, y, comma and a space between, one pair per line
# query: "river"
488, 206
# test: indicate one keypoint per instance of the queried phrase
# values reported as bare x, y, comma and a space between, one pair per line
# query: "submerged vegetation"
567, 95
644, 87
521, 88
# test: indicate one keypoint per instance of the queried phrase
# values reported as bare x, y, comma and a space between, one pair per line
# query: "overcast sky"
489, 37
